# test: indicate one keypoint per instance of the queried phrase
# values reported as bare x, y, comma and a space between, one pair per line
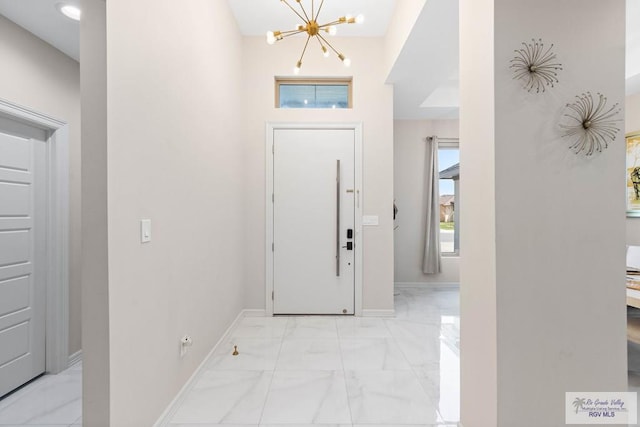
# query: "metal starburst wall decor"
591, 123
535, 66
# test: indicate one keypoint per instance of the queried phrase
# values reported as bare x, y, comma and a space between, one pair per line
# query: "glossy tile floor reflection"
302, 371
49, 401
335, 371
308, 371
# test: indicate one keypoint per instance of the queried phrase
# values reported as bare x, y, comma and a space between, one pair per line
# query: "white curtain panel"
431, 260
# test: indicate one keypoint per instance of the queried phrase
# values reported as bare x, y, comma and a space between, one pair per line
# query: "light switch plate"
145, 230
370, 220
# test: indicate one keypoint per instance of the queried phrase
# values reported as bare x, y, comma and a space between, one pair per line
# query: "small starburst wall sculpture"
591, 123
535, 66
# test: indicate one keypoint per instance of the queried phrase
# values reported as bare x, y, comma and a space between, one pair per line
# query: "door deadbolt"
349, 246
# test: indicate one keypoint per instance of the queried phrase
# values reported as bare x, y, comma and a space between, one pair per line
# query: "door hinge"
273, 149
272, 247
272, 295
273, 198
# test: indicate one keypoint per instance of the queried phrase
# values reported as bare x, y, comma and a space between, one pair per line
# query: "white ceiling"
425, 76
41, 17
426, 71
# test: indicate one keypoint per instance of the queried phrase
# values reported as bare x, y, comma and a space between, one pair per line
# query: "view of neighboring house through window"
449, 166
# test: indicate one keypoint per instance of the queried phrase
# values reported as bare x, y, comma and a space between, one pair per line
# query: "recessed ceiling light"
69, 10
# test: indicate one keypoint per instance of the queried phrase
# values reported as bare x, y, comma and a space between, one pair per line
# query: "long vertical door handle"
338, 218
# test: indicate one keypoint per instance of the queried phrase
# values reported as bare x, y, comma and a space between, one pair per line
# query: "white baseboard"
255, 313
168, 413
378, 313
428, 285
75, 358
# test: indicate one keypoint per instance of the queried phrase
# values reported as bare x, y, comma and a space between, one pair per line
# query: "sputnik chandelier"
311, 26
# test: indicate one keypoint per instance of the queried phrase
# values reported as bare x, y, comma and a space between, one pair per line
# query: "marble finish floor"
49, 401
302, 371
335, 371
307, 371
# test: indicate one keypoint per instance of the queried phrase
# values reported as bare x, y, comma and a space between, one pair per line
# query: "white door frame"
271, 127
57, 234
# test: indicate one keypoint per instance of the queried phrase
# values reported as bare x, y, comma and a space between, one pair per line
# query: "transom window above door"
330, 93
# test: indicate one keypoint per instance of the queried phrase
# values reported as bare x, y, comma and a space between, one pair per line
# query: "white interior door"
313, 211
22, 254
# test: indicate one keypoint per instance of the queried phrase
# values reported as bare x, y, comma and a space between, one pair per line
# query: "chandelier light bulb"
271, 38
360, 19
296, 70
325, 52
332, 30
346, 61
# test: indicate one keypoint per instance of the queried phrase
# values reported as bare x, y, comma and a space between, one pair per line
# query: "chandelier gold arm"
294, 11
332, 48
290, 33
336, 22
304, 11
323, 47
319, 9
304, 49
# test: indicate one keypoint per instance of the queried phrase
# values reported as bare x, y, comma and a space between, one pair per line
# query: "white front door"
22, 253
313, 221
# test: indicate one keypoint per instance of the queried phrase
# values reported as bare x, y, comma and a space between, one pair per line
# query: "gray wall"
544, 284
42, 78
95, 268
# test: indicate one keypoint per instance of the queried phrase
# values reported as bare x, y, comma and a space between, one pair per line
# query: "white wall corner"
168, 413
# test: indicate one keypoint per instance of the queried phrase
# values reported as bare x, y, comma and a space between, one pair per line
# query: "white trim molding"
249, 312
378, 313
170, 410
75, 358
270, 128
428, 285
57, 263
